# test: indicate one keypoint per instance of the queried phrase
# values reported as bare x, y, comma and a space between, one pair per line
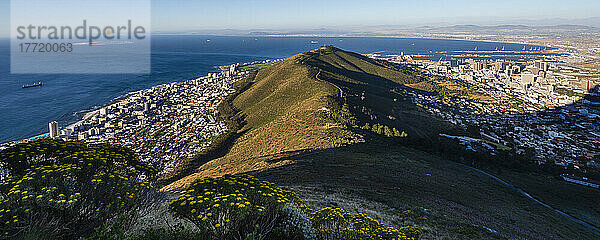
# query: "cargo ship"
39, 84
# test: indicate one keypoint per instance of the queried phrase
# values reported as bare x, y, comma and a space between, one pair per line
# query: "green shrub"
384, 130
68, 189
237, 207
243, 207
336, 223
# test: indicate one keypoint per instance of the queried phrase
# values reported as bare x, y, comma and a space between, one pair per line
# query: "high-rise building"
453, 63
53, 127
478, 66
537, 63
516, 69
499, 66
545, 66
461, 68
528, 78
542, 74
232, 69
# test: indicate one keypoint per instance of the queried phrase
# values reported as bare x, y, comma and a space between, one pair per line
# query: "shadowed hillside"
376, 92
318, 100
323, 123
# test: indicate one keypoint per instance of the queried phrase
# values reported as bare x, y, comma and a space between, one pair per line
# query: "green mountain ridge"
319, 100
305, 129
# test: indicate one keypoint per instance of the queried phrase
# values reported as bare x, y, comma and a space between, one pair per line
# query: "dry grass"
281, 111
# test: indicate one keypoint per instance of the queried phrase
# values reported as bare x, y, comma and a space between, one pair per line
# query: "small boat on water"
314, 42
39, 84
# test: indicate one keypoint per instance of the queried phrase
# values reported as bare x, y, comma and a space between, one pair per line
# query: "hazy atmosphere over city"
248, 120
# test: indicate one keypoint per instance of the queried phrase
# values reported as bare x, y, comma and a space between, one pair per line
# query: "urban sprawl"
164, 124
540, 105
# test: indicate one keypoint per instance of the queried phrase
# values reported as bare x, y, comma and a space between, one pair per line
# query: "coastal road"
527, 195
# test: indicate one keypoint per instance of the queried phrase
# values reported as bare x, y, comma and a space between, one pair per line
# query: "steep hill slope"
318, 100
376, 92
309, 125
285, 111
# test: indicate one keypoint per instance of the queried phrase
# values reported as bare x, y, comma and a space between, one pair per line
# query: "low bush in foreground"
67, 189
51, 189
243, 207
336, 223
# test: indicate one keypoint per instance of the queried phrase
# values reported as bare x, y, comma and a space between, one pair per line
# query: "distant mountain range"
569, 27
556, 25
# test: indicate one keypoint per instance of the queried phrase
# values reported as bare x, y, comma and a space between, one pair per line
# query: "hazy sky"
182, 15
315, 13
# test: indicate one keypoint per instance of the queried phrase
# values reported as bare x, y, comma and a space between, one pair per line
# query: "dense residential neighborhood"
530, 105
164, 124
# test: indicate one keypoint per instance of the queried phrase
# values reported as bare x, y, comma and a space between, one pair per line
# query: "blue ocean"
63, 97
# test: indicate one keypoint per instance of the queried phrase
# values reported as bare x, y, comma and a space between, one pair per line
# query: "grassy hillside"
319, 100
318, 122
376, 92
285, 111
445, 199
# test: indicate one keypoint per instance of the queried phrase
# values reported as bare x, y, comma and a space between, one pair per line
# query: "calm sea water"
26, 112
